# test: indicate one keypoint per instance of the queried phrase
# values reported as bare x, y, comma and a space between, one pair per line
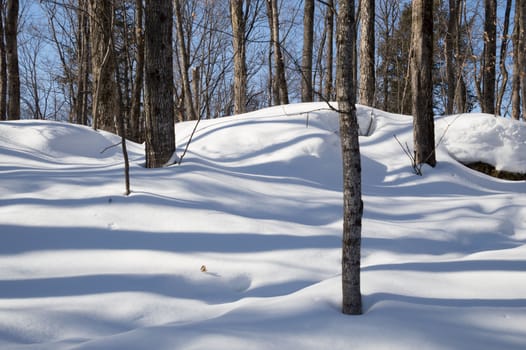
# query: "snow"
257, 201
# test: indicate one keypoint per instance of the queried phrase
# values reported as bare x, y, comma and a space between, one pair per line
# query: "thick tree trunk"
306, 58
101, 15
367, 53
240, 66
516, 81
352, 198
3, 68
422, 82
13, 74
158, 79
490, 54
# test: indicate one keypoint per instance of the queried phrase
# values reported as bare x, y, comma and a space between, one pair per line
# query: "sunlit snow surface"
257, 201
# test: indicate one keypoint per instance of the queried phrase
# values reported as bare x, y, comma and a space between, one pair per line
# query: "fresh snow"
257, 201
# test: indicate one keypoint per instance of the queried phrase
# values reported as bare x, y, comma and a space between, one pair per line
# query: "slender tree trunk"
185, 63
158, 82
502, 58
516, 80
136, 124
367, 53
352, 197
240, 65
460, 85
3, 67
451, 39
329, 29
13, 74
101, 15
306, 58
522, 55
490, 54
280, 80
81, 98
422, 82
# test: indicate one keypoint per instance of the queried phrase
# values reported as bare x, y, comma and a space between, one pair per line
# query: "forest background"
56, 74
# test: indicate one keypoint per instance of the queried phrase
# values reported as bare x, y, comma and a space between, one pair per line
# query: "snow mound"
56, 142
258, 202
476, 137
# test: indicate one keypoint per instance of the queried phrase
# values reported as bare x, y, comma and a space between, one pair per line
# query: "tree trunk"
422, 82
352, 198
3, 67
80, 107
280, 80
306, 58
240, 66
460, 85
13, 74
136, 124
451, 40
158, 79
516, 81
101, 15
329, 29
502, 58
185, 64
490, 54
367, 52
522, 55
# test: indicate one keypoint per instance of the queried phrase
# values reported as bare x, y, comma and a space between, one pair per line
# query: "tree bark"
352, 198
13, 74
490, 54
158, 79
3, 67
367, 53
422, 82
306, 58
240, 66
516, 81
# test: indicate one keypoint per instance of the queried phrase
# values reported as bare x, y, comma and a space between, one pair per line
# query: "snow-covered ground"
257, 201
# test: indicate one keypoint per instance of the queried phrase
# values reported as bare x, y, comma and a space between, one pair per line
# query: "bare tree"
158, 79
367, 52
101, 18
184, 60
136, 124
502, 58
280, 82
3, 66
238, 20
13, 75
329, 29
306, 58
421, 82
352, 198
490, 57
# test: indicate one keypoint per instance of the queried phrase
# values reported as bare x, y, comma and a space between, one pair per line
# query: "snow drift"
257, 200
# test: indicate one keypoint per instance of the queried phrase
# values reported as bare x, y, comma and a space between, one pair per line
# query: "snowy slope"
257, 201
